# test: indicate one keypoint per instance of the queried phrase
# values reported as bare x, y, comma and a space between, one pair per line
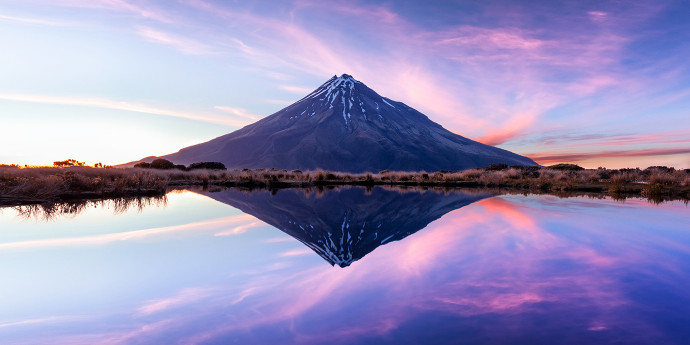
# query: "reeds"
31, 185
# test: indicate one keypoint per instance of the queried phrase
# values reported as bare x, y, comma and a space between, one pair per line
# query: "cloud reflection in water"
506, 269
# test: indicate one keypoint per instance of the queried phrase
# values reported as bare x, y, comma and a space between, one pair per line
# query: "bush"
207, 165
570, 167
69, 163
497, 167
143, 165
162, 164
603, 174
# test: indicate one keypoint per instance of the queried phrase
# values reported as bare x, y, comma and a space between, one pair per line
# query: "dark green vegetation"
164, 164
38, 185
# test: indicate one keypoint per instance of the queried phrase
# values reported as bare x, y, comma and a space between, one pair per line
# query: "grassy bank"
37, 185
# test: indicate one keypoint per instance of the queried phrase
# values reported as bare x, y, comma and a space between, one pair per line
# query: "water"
409, 267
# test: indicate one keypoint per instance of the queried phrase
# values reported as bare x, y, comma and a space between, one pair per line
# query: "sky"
595, 83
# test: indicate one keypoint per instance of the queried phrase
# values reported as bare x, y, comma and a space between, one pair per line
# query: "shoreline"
26, 186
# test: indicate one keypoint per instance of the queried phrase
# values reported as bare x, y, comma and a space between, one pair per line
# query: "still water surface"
348, 266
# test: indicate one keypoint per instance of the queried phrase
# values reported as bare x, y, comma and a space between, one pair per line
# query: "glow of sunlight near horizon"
591, 83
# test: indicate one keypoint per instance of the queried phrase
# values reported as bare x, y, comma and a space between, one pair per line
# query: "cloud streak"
554, 157
129, 235
125, 106
182, 44
36, 21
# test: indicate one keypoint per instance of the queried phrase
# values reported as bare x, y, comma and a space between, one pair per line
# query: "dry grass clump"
28, 185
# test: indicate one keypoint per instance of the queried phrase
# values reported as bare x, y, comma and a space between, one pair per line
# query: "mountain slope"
345, 126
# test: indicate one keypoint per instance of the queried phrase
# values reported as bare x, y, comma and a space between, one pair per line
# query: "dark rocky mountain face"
346, 126
345, 224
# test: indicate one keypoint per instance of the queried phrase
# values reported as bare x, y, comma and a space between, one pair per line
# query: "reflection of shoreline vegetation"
40, 185
49, 211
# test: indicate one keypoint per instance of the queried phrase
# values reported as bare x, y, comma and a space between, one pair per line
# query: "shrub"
69, 163
207, 165
658, 169
513, 174
603, 174
571, 167
490, 179
143, 165
496, 167
162, 164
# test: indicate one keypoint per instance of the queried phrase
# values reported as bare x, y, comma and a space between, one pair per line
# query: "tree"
207, 165
69, 163
563, 166
161, 163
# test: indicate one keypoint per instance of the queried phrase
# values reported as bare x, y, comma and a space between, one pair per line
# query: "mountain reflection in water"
347, 223
508, 269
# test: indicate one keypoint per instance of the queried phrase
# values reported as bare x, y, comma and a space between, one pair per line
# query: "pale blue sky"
595, 83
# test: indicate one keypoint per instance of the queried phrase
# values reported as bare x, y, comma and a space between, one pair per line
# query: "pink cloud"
555, 157
496, 83
485, 39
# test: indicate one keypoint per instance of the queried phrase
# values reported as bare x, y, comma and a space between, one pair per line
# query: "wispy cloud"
241, 229
37, 21
183, 297
297, 252
298, 90
185, 45
129, 235
26, 322
554, 157
238, 112
503, 74
119, 105
137, 9
494, 62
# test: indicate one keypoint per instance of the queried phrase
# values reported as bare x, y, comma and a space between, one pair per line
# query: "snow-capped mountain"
345, 224
345, 126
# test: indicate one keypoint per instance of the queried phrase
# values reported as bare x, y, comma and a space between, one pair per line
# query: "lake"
346, 266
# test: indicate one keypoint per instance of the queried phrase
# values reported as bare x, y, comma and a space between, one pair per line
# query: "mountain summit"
345, 126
